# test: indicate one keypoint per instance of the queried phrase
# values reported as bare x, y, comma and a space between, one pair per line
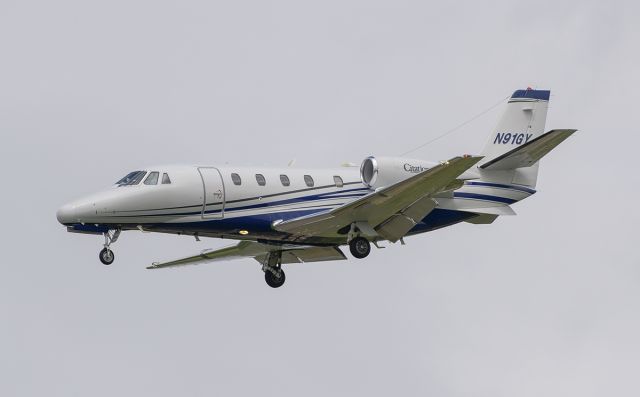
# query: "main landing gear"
360, 247
273, 273
106, 255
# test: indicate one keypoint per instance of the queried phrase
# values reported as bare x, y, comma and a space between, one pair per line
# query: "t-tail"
509, 170
514, 148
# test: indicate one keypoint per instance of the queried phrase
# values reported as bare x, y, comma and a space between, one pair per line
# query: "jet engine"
377, 172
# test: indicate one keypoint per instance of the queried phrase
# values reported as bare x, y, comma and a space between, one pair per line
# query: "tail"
509, 170
521, 123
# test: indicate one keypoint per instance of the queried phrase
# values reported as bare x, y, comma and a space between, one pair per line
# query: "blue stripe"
260, 225
532, 94
485, 197
345, 191
89, 228
284, 202
499, 185
338, 191
257, 224
304, 199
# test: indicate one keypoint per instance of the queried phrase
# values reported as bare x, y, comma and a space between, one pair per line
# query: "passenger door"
213, 193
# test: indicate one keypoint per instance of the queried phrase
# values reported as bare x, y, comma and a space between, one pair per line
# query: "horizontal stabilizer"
482, 219
529, 153
495, 210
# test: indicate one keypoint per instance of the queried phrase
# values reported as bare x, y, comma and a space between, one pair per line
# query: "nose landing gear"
106, 255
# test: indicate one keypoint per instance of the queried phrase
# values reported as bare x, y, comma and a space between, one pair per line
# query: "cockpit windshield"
132, 178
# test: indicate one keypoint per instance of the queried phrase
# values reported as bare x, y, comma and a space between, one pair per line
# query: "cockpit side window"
132, 178
165, 179
152, 179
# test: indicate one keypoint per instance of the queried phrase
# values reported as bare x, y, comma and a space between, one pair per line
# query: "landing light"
243, 232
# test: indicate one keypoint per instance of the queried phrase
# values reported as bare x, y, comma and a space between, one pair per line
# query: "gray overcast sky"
545, 303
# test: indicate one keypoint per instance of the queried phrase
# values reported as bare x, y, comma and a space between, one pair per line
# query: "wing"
389, 212
260, 252
530, 153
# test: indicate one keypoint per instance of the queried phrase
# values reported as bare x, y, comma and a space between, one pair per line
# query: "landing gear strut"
106, 255
273, 273
359, 247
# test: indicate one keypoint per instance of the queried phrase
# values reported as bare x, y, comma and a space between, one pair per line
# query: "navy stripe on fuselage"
258, 223
251, 198
322, 196
261, 224
295, 200
300, 191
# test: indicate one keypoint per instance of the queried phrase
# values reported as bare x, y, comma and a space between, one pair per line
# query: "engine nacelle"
378, 172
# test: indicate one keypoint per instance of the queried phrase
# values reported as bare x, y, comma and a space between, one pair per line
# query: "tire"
106, 256
272, 280
360, 247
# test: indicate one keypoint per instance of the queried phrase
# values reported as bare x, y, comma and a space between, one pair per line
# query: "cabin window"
132, 178
285, 180
236, 179
338, 181
308, 180
260, 179
152, 179
165, 179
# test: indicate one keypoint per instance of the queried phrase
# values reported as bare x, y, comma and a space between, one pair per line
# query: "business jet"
289, 215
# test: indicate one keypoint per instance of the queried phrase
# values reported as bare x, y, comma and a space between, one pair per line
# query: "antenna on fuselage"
456, 128
291, 163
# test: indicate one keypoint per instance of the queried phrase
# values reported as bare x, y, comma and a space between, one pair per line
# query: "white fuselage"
243, 202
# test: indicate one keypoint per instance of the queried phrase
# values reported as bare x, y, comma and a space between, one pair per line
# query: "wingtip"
463, 157
471, 158
568, 131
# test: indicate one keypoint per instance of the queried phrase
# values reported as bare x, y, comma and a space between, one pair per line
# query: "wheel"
360, 247
106, 256
274, 281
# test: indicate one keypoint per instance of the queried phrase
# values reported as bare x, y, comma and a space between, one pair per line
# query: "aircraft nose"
67, 214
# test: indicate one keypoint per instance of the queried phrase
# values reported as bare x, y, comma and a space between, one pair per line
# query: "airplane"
292, 215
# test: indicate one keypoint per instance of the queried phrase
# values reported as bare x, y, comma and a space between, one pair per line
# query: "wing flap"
397, 226
313, 254
530, 153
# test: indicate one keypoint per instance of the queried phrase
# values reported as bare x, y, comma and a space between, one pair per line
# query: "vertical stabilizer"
522, 121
